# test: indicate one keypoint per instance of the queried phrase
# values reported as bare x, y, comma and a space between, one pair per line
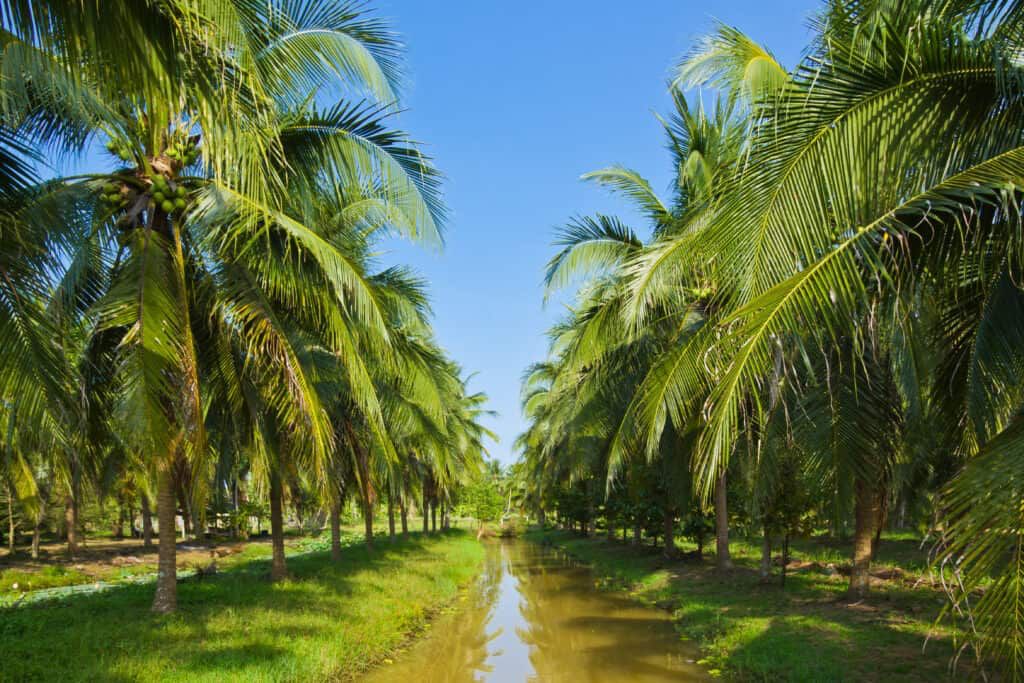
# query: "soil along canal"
534, 614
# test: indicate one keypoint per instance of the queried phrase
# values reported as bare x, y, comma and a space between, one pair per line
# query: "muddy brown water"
535, 615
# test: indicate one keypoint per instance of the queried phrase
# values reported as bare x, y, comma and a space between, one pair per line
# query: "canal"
535, 615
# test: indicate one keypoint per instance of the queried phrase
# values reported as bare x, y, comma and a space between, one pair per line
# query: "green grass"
330, 621
808, 631
14, 580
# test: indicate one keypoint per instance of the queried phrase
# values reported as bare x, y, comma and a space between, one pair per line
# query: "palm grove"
199, 324
825, 329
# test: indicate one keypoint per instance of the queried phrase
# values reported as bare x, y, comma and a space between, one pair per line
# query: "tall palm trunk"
147, 522
335, 531
426, 513
722, 559
368, 522
766, 556
590, 523
403, 513
166, 598
637, 533
37, 528
433, 516
391, 518
198, 522
669, 523
119, 522
10, 521
866, 510
366, 488
278, 568
71, 522
785, 557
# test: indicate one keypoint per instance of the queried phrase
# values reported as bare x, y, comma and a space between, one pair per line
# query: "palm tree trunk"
766, 556
426, 514
880, 522
278, 568
391, 518
637, 533
147, 523
10, 521
71, 522
670, 550
865, 519
335, 531
166, 598
368, 522
589, 524
722, 559
403, 511
785, 556
433, 517
446, 522
198, 522
37, 529
119, 523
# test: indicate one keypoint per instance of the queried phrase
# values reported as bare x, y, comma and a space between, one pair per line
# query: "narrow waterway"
535, 615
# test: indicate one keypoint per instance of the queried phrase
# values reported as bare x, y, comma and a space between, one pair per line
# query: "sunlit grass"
329, 621
14, 580
807, 631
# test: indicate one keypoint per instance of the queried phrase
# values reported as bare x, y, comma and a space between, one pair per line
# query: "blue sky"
515, 100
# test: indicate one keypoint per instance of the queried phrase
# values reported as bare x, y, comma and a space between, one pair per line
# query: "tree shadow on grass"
233, 621
805, 631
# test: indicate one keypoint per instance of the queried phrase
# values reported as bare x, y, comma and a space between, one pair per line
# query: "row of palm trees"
205, 305
826, 324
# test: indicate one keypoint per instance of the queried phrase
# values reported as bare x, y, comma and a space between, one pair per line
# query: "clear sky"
515, 100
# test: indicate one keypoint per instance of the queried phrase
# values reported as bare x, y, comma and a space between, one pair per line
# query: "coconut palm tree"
888, 162
201, 221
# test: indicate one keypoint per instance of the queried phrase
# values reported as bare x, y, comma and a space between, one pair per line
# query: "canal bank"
748, 629
330, 620
537, 614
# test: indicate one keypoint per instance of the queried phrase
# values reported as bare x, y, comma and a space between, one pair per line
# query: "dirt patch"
103, 559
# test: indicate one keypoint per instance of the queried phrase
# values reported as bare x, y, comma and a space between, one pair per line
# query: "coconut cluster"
165, 197
120, 150
116, 194
184, 151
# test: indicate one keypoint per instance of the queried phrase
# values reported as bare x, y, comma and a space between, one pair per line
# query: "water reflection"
536, 616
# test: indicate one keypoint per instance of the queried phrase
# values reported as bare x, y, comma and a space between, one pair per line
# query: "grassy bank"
807, 631
331, 620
